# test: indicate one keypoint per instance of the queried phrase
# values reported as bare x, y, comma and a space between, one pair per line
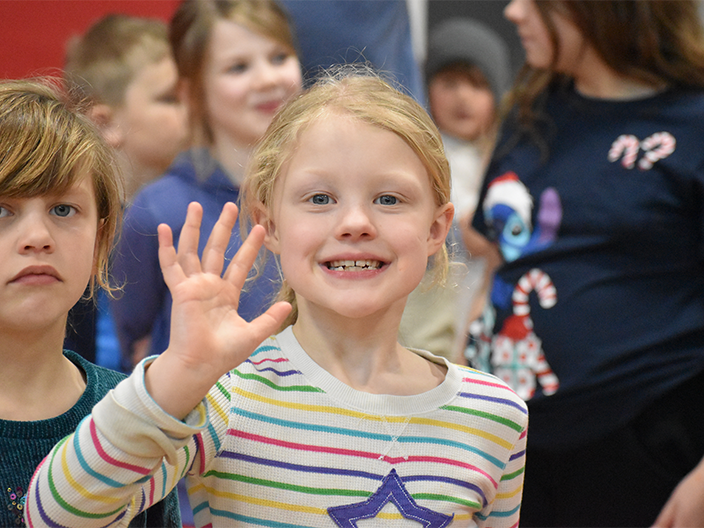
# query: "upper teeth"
354, 265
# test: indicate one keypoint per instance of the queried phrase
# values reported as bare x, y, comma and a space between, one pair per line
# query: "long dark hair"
658, 42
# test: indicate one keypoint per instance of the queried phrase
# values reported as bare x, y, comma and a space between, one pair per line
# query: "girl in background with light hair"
237, 65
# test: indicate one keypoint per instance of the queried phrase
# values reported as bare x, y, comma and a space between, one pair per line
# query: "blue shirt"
342, 31
144, 306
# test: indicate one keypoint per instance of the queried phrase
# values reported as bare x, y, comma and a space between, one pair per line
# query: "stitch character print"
515, 352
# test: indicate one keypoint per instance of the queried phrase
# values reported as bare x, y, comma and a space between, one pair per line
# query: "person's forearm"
479, 246
113, 466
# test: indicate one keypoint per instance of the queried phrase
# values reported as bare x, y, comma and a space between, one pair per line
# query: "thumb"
269, 322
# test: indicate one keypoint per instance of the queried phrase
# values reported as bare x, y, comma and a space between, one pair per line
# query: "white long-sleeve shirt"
281, 442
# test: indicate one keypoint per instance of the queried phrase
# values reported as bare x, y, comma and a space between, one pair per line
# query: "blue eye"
386, 200
4, 211
169, 99
320, 199
239, 67
279, 58
63, 210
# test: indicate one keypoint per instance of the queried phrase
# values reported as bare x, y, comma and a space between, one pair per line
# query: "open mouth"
354, 265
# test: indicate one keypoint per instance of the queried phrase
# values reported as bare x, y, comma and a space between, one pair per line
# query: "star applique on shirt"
391, 489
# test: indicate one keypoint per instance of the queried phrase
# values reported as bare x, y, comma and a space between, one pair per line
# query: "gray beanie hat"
469, 41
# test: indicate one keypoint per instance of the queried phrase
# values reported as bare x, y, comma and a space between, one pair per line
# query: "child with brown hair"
60, 205
123, 66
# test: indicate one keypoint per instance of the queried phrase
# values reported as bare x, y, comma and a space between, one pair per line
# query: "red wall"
33, 33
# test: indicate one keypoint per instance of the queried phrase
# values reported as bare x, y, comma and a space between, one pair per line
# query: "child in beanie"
467, 72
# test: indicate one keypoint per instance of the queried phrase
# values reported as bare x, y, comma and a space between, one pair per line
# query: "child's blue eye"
320, 199
387, 200
63, 210
169, 98
279, 58
239, 67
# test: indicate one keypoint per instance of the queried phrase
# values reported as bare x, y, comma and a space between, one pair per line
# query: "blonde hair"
46, 146
190, 32
358, 92
102, 63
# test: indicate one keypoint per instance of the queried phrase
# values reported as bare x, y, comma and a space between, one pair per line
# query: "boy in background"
122, 67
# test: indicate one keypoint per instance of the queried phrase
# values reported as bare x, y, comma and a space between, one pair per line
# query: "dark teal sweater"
23, 445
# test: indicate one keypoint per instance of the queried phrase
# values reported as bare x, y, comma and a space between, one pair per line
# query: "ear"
104, 116
440, 227
262, 216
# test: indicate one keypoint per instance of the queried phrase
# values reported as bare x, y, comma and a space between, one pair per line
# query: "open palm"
208, 337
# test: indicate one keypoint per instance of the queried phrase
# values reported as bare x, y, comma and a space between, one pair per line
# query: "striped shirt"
280, 442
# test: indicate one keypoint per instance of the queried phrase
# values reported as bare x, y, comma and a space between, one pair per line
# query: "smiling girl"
59, 209
330, 421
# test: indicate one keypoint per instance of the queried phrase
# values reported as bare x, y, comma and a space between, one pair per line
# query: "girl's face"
247, 77
535, 37
48, 246
354, 219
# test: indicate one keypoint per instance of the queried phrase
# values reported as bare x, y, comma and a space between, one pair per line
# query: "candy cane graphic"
518, 354
538, 281
628, 144
658, 146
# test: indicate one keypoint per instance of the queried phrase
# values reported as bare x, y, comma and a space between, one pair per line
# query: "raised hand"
208, 337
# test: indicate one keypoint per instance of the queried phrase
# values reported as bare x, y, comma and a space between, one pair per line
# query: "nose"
266, 75
514, 10
355, 223
34, 234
